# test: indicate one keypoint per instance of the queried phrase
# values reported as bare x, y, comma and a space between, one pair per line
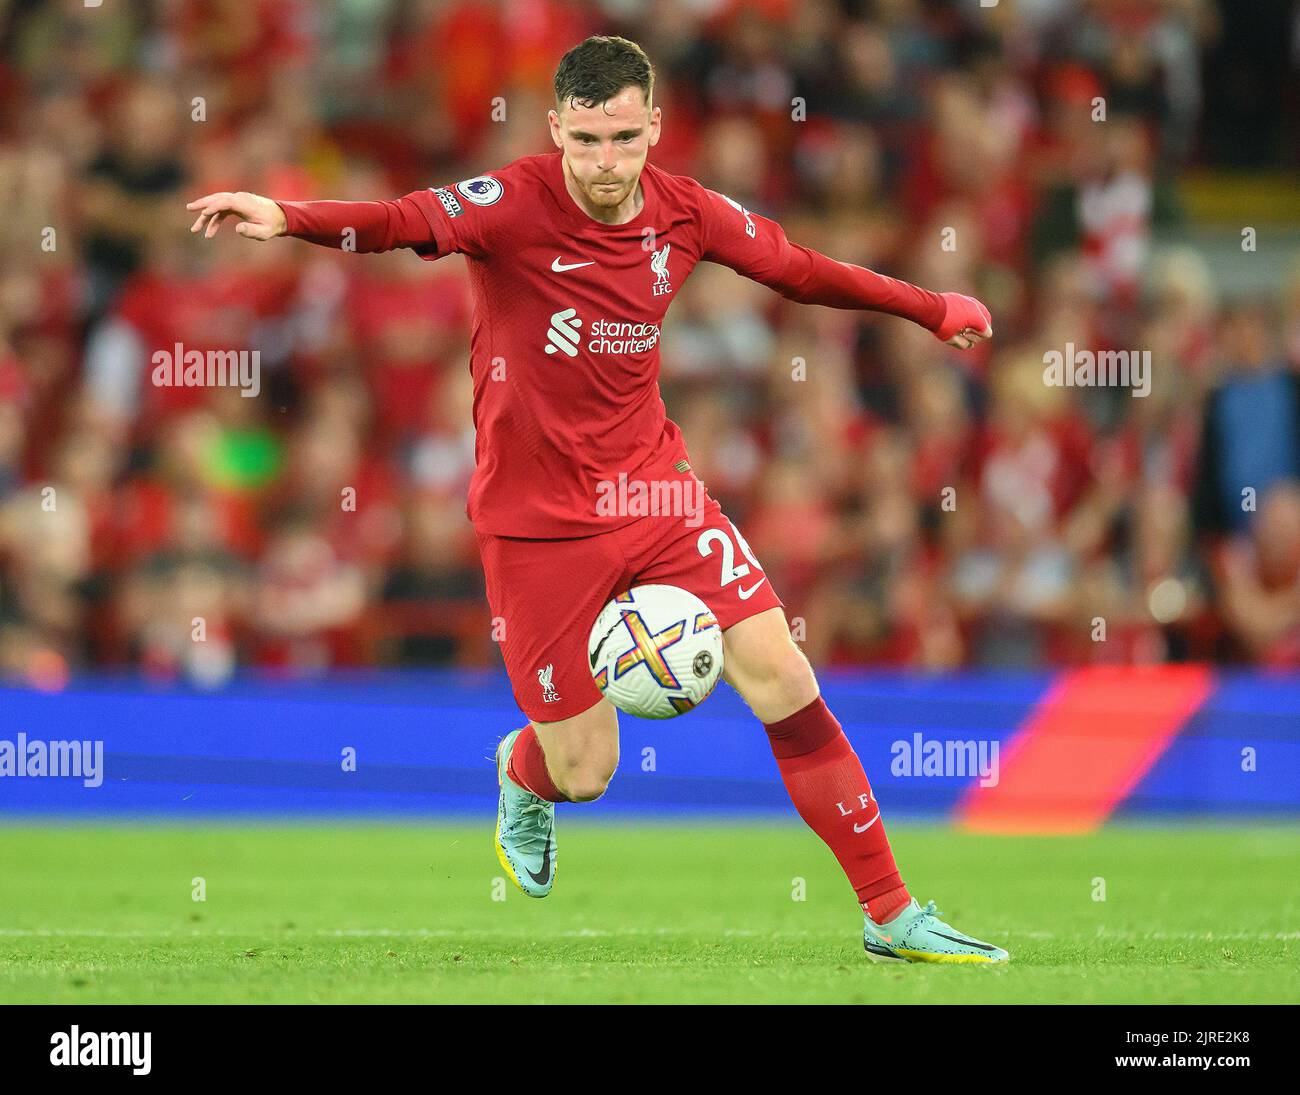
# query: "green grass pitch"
640, 913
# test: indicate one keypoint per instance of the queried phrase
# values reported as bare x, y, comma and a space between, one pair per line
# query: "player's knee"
585, 773
588, 783
794, 676
781, 672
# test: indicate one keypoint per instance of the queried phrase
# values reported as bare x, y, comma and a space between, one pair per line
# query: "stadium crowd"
914, 506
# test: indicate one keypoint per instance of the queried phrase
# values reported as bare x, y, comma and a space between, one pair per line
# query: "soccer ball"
655, 651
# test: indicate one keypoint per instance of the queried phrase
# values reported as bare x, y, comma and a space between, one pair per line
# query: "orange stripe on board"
1087, 744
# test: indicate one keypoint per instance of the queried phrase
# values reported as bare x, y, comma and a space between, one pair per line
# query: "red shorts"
546, 594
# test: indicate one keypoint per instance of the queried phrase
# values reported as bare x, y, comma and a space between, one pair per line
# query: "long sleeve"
757, 247
812, 278
410, 221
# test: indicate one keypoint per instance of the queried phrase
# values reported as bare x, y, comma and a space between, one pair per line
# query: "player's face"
605, 146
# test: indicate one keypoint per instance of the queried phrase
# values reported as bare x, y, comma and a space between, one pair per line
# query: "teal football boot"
918, 935
525, 836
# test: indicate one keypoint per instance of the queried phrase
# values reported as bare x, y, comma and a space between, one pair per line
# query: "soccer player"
574, 257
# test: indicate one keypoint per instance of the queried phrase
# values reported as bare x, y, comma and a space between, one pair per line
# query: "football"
655, 651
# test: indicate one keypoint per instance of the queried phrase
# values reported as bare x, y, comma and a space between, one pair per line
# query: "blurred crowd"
914, 506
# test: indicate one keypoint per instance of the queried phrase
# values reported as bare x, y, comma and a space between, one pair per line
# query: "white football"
655, 651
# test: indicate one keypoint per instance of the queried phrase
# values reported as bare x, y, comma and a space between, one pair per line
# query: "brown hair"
601, 67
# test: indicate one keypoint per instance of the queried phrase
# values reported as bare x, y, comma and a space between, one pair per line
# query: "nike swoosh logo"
966, 942
595, 654
545, 874
559, 267
864, 828
745, 594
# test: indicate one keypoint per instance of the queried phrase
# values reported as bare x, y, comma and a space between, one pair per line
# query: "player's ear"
553, 119
656, 116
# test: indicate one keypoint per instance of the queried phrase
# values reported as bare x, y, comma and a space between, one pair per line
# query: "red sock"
826, 782
527, 767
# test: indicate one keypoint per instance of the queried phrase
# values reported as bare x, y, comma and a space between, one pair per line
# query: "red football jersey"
568, 310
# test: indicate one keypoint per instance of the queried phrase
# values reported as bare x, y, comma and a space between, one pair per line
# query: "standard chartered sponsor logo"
605, 336
609, 336
563, 333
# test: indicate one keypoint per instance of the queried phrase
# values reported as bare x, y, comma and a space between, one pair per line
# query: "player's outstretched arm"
757, 247
354, 226
813, 278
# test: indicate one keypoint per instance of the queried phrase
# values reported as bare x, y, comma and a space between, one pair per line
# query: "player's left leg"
820, 770
702, 551
830, 790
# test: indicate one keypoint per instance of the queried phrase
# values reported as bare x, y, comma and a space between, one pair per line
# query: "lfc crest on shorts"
549, 695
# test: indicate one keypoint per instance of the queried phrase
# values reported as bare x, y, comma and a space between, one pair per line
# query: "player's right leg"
545, 596
581, 753
571, 760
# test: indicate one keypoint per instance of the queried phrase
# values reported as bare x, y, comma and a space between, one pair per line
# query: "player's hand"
965, 322
258, 218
